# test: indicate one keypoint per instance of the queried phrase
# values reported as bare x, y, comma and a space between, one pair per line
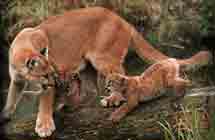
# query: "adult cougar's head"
28, 55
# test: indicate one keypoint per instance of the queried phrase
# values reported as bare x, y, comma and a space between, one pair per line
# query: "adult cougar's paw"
44, 126
4, 118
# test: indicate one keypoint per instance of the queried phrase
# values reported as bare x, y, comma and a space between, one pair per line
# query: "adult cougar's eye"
31, 63
44, 51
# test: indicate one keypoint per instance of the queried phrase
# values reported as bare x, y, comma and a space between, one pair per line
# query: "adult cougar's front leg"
13, 97
45, 123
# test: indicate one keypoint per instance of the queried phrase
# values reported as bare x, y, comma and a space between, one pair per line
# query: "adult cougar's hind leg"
109, 51
105, 68
104, 71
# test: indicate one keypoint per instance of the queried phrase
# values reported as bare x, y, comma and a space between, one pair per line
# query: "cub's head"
28, 55
116, 83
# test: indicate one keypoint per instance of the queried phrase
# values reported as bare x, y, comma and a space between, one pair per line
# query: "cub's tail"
200, 59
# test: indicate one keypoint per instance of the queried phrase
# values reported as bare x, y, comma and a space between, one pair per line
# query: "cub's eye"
31, 63
107, 89
75, 76
44, 51
109, 82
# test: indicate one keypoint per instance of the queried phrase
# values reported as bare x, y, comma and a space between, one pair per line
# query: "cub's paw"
109, 102
44, 126
112, 100
104, 102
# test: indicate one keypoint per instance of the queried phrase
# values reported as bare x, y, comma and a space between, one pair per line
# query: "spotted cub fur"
134, 89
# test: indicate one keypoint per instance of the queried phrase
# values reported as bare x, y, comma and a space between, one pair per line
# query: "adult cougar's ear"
40, 41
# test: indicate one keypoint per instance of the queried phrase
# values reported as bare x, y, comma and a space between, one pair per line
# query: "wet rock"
89, 121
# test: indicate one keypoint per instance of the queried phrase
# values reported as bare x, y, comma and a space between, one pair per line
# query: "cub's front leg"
45, 123
125, 108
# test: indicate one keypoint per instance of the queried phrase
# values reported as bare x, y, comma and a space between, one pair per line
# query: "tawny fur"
95, 35
135, 89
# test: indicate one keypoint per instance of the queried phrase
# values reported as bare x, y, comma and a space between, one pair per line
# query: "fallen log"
89, 121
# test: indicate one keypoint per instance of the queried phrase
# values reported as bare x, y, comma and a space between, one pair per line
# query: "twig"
172, 45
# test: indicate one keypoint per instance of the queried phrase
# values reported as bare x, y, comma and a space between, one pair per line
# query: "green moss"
22, 13
207, 16
210, 135
152, 37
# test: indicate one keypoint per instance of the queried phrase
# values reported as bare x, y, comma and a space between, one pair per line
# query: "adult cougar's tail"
200, 59
144, 49
148, 53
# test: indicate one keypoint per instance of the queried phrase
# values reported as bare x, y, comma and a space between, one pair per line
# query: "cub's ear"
39, 40
124, 80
